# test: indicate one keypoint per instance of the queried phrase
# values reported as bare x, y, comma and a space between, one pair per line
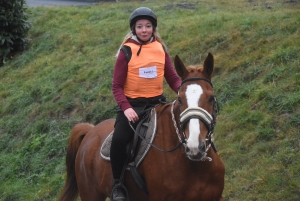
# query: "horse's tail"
70, 189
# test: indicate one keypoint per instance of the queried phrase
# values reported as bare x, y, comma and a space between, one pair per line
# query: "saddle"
139, 146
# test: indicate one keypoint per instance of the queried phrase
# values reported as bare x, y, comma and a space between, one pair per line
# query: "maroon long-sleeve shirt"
120, 74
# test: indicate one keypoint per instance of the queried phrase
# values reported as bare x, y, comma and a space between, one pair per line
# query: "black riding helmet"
142, 13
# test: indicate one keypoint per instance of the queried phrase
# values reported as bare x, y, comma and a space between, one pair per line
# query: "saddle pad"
144, 147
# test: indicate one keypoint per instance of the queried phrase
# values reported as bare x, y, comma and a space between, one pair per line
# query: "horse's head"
197, 107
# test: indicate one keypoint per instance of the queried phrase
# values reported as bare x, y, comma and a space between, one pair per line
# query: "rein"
152, 145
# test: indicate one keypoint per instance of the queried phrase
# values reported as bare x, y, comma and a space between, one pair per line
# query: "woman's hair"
130, 34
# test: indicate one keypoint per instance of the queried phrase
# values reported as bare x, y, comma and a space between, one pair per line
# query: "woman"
137, 84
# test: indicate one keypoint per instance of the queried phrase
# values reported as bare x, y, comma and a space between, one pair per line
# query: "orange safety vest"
145, 72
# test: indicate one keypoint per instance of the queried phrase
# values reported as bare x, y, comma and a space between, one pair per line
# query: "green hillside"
65, 78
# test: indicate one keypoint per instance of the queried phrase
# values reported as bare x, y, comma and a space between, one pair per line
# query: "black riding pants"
123, 133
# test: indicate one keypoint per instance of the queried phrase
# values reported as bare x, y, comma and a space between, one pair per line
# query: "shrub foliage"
14, 27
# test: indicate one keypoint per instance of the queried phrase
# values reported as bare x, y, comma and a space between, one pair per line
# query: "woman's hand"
131, 115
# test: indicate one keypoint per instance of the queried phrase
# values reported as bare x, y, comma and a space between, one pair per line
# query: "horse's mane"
161, 107
195, 69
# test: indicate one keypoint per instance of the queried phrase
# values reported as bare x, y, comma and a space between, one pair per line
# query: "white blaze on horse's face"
193, 94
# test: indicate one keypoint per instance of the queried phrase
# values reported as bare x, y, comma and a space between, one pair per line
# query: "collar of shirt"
134, 37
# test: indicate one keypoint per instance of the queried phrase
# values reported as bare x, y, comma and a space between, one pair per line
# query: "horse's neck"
166, 125
166, 117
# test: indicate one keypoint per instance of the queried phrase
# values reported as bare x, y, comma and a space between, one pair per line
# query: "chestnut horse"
193, 172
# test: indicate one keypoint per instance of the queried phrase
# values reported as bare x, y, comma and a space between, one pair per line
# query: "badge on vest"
148, 72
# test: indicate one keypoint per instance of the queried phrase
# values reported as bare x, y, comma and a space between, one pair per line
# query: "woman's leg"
123, 134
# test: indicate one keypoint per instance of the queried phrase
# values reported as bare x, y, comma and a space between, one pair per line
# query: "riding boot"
118, 191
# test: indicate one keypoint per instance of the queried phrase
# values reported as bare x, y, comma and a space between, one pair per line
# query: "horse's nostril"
202, 147
187, 150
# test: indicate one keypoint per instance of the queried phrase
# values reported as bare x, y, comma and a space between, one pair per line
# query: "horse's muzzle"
196, 154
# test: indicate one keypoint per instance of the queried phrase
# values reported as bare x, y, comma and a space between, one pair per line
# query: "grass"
65, 78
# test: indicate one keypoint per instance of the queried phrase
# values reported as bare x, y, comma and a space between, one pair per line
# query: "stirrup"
120, 187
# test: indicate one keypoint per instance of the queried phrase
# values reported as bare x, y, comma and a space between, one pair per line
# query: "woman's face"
144, 29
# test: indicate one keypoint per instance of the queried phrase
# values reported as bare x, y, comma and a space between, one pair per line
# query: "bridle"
189, 113
196, 112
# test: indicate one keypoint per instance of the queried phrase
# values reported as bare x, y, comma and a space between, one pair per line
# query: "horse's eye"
211, 98
179, 100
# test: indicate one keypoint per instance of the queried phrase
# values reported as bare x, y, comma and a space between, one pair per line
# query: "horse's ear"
208, 65
180, 67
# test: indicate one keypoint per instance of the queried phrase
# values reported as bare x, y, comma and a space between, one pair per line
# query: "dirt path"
51, 3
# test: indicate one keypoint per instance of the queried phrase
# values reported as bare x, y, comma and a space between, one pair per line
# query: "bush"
13, 28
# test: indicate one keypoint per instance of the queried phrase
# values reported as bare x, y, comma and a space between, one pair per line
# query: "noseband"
198, 113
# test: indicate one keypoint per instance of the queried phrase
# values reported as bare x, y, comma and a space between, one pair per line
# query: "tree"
14, 27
